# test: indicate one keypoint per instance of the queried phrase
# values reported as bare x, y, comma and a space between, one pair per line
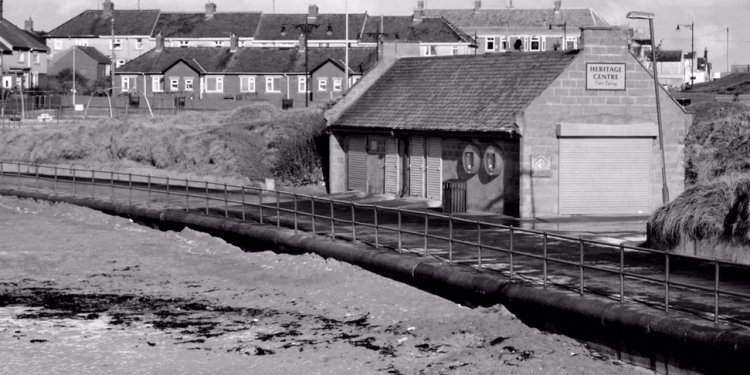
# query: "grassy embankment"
715, 206
243, 145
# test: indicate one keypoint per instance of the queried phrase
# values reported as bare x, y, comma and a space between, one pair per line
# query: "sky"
711, 17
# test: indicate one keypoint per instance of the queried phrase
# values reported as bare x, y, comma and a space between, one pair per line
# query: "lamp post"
650, 17
690, 26
305, 28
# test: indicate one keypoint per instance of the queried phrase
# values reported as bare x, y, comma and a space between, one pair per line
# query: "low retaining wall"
662, 342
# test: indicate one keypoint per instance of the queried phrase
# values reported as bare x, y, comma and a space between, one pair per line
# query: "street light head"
636, 15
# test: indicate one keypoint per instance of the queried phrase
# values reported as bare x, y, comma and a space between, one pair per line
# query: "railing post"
187, 195
622, 273
666, 281
112, 183
207, 199
295, 213
377, 230
167, 191
479, 245
226, 202
450, 238
312, 213
278, 208
400, 228
148, 188
716, 290
19, 175
426, 231
130, 188
36, 176
243, 202
73, 172
354, 223
544, 261
580, 266
511, 252
2, 172
333, 222
260, 205
93, 184
55, 180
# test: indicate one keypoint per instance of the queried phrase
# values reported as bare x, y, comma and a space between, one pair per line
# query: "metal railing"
657, 278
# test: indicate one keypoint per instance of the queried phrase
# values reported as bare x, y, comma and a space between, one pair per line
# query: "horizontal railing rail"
465, 241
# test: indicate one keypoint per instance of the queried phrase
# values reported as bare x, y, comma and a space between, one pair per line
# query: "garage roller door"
605, 176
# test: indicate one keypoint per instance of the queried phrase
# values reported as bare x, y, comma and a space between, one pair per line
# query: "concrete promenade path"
583, 254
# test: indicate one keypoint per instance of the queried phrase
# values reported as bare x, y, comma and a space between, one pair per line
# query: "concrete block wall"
567, 100
337, 163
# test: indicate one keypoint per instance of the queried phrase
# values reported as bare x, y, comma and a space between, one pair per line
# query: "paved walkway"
479, 240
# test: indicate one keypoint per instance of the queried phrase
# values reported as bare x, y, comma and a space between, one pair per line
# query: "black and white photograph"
374, 187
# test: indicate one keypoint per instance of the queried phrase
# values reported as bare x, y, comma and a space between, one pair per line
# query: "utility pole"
114, 61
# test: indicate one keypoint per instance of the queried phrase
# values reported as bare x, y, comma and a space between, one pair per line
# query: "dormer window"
489, 43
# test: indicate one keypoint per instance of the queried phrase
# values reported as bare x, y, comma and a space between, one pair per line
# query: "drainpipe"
287, 85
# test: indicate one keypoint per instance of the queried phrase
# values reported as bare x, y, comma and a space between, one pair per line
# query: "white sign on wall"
605, 76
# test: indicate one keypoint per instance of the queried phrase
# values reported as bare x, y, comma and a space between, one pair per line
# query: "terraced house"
23, 55
514, 29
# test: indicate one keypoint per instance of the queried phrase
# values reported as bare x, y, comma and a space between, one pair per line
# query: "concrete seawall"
666, 343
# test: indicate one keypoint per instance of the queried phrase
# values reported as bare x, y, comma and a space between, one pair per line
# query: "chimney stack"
419, 12
509, 4
210, 10
28, 24
108, 8
477, 5
159, 42
312, 12
558, 5
233, 42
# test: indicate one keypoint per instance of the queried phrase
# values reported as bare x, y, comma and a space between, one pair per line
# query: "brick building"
533, 135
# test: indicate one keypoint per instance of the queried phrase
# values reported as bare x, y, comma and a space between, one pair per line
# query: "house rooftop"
404, 29
18, 39
246, 60
482, 93
197, 25
516, 17
281, 27
94, 22
95, 54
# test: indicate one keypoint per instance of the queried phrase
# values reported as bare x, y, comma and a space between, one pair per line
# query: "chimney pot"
477, 5
312, 12
159, 42
558, 5
108, 8
210, 10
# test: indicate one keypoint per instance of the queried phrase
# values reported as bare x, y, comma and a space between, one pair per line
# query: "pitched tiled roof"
404, 29
93, 23
196, 25
733, 83
666, 55
270, 27
488, 18
95, 54
481, 93
19, 39
246, 60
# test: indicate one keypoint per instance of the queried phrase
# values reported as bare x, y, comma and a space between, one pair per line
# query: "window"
301, 84
247, 83
454, 50
119, 63
183, 43
174, 84
489, 43
428, 51
35, 57
58, 44
322, 84
21, 57
157, 83
116, 44
35, 79
571, 42
272, 84
536, 43
214, 84
188, 83
218, 43
139, 43
355, 79
7, 82
504, 44
82, 42
337, 84
125, 84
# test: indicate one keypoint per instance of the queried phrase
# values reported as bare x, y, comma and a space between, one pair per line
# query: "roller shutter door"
416, 167
605, 176
356, 163
434, 168
391, 165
